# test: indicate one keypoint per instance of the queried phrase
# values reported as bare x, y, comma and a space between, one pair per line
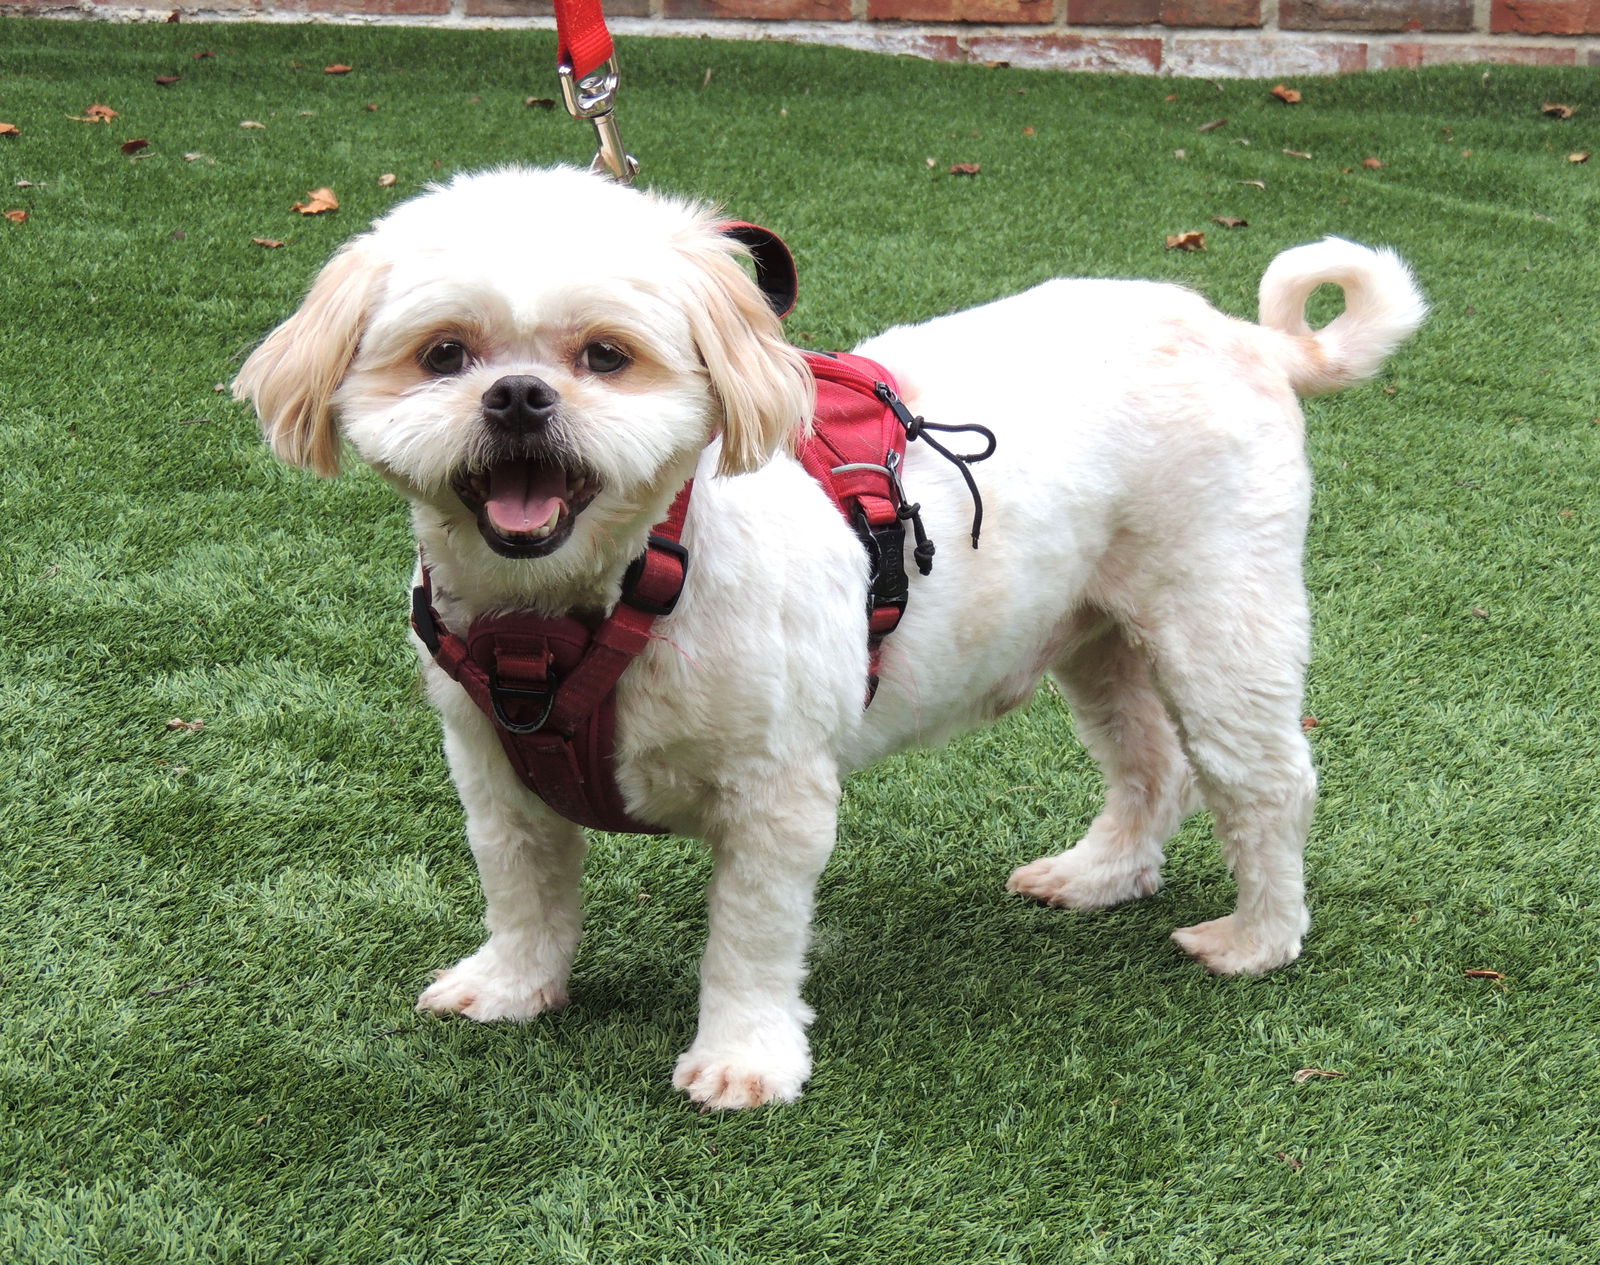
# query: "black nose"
520, 403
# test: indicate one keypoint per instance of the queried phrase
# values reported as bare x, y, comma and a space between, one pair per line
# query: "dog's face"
539, 355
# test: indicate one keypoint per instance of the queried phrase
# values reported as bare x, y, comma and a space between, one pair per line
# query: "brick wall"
1211, 38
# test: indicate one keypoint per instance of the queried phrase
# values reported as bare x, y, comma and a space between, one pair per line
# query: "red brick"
769, 10
961, 10
1211, 13
1069, 52
1255, 56
1545, 17
413, 8
1113, 12
1410, 56
1375, 15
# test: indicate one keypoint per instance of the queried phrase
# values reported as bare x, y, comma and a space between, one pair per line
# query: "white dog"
1145, 516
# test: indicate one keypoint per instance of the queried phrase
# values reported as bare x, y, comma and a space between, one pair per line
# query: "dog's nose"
520, 402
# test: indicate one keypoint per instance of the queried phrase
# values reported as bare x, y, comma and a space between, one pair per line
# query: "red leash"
587, 65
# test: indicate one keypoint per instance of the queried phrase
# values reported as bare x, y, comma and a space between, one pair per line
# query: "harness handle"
587, 66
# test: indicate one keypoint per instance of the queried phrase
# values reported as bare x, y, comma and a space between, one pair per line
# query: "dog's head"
541, 353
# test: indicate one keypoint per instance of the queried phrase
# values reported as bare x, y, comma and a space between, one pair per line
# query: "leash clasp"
594, 97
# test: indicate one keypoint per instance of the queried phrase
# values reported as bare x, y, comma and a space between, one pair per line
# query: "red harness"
549, 684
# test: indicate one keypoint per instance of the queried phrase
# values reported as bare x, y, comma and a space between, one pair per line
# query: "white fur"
1145, 516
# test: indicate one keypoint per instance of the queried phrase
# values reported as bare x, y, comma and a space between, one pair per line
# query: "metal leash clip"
594, 97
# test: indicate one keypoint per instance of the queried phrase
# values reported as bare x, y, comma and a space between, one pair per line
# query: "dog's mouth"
526, 507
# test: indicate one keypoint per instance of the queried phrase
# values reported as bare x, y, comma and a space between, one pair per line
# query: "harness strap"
549, 684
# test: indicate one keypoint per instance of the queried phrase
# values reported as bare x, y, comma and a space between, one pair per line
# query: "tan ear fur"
292, 375
765, 387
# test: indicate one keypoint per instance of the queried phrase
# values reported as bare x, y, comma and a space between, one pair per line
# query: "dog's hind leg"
1233, 677
1149, 790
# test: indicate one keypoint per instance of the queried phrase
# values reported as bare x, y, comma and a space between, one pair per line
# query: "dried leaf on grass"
1308, 723
1286, 94
1557, 111
271, 243
1290, 1160
10, 129
1316, 1073
166, 81
203, 54
251, 123
386, 180
1230, 221
1186, 241
539, 103
17, 217
190, 726
965, 169
134, 146
1484, 974
317, 202
1582, 156
1212, 126
338, 68
1297, 153
1372, 164
94, 114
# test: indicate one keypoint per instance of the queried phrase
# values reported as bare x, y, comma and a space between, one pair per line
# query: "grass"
210, 938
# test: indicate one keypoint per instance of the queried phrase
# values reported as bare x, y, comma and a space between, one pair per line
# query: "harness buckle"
498, 692
636, 572
887, 585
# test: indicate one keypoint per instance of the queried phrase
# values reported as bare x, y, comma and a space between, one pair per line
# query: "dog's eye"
604, 358
445, 358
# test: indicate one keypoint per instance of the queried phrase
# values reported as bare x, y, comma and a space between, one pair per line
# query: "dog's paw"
484, 988
1073, 880
1224, 948
729, 1078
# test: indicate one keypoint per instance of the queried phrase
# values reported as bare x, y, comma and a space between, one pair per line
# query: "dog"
1146, 510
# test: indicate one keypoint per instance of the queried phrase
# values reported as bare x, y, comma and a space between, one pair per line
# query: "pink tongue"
523, 495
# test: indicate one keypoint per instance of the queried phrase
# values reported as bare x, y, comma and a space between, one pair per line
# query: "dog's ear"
763, 383
292, 376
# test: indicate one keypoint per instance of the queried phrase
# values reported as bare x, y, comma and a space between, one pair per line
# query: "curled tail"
1382, 308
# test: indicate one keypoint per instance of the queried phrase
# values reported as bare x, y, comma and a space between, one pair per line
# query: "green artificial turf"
211, 938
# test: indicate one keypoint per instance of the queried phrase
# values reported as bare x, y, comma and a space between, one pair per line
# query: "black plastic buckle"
887, 584
423, 621
635, 573
498, 692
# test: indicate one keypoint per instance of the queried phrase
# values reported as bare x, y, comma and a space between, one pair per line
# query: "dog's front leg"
751, 1045
530, 863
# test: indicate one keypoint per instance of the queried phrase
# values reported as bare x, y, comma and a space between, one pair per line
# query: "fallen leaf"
1479, 613
533, 103
1212, 126
965, 169
1286, 94
317, 201
386, 180
10, 129
1297, 153
1028, 131
1186, 241
17, 217
1290, 1160
1310, 1073
94, 114
1557, 111
271, 243
1582, 156
1230, 221
1372, 164
371, 106
191, 726
1255, 184
261, 127
178, 235
1171, 96
28, 184
193, 156
133, 147
338, 68
1484, 974
167, 80
203, 54
1308, 723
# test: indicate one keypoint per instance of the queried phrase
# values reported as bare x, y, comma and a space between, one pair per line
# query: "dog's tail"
1382, 308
